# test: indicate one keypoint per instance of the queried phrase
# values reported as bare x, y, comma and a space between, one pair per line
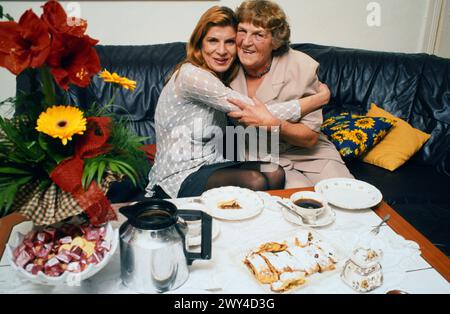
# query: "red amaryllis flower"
73, 60
23, 44
56, 19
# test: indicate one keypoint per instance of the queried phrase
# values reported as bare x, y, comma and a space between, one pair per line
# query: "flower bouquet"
57, 160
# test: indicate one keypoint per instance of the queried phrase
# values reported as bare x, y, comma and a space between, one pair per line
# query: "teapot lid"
153, 214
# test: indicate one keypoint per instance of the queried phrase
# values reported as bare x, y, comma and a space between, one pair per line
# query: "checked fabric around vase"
46, 207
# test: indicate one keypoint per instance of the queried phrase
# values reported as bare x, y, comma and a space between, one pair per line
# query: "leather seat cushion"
411, 183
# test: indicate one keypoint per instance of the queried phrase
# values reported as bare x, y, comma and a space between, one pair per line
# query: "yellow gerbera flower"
62, 122
116, 79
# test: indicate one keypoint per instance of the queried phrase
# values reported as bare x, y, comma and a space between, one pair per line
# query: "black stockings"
253, 175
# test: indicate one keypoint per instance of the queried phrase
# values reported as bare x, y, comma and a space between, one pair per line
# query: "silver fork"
376, 230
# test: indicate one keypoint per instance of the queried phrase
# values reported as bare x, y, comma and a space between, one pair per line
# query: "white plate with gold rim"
249, 202
349, 193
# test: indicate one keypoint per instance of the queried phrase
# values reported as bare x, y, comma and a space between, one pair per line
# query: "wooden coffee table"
438, 260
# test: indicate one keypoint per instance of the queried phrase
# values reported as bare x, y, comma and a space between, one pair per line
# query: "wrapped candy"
69, 248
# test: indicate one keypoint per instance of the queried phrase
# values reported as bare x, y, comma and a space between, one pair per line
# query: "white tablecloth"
403, 268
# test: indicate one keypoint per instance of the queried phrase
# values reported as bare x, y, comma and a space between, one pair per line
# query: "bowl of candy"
66, 253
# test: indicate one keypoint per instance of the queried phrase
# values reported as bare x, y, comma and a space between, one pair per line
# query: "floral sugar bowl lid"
363, 271
366, 258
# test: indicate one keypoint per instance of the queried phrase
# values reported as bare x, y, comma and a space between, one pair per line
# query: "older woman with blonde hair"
273, 72
193, 106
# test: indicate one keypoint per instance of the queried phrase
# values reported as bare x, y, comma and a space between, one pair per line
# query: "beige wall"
329, 22
443, 40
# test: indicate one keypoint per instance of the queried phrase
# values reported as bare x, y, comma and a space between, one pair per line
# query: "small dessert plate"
249, 203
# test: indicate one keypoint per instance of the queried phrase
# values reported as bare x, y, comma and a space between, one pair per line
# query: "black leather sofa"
414, 87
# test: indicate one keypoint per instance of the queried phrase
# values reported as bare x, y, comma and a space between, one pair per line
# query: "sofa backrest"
150, 66
414, 87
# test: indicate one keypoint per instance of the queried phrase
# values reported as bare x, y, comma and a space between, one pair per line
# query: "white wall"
328, 22
443, 41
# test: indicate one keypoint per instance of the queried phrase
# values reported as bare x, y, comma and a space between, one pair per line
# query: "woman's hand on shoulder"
324, 93
317, 101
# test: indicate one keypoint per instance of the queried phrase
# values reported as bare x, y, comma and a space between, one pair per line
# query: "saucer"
197, 240
324, 219
270, 201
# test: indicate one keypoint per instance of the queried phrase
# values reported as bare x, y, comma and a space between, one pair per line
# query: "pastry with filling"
258, 266
328, 250
271, 247
230, 204
303, 238
288, 281
324, 262
282, 262
308, 263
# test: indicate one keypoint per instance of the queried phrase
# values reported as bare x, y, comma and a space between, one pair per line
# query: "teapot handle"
205, 252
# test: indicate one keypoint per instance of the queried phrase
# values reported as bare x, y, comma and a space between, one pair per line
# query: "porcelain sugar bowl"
363, 271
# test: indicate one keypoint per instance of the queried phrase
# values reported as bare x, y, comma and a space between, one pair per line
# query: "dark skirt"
195, 183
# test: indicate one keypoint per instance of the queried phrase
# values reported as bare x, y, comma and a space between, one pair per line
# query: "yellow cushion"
400, 144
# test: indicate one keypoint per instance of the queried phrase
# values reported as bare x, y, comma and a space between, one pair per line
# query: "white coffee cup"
309, 205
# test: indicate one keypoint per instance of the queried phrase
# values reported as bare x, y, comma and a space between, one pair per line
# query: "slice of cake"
328, 250
281, 262
308, 263
288, 281
258, 266
229, 204
325, 263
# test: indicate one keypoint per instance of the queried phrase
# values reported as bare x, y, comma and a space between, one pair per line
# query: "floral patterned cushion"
355, 135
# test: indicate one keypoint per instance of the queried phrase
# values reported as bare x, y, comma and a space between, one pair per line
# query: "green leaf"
100, 171
50, 149
85, 175
11, 170
44, 185
26, 152
8, 194
91, 175
9, 17
124, 164
5, 199
129, 174
114, 167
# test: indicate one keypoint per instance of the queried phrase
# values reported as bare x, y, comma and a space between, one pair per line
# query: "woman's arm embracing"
201, 86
